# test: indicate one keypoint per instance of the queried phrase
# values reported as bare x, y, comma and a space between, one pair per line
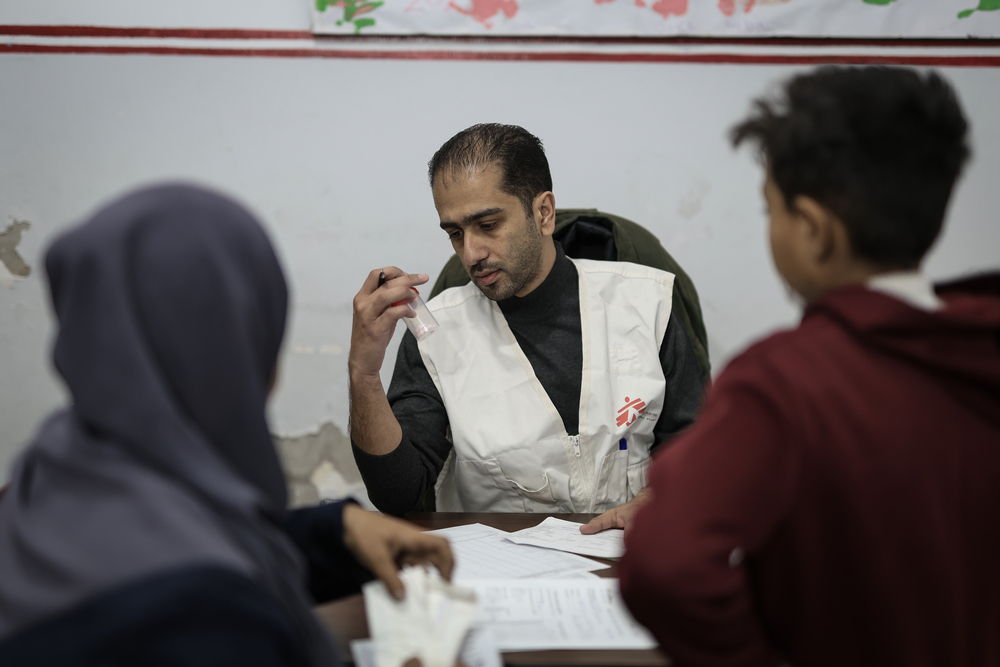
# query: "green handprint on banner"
352, 10
984, 6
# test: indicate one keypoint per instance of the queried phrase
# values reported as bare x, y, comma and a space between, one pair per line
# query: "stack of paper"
478, 650
532, 595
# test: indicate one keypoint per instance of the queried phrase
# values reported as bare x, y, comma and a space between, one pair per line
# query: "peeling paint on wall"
9, 240
320, 466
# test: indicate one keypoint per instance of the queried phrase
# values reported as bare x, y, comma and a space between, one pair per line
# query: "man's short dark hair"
518, 153
880, 147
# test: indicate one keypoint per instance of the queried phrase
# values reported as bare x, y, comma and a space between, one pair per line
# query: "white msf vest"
511, 451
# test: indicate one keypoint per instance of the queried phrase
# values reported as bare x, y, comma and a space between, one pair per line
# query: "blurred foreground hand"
383, 544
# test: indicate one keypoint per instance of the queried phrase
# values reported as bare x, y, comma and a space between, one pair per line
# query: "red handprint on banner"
484, 10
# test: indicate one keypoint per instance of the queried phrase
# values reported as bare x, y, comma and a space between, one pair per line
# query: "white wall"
331, 153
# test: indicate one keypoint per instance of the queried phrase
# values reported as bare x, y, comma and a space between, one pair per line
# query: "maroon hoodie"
838, 500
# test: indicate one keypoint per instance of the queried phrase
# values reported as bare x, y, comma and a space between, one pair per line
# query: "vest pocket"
622, 477
487, 486
522, 472
611, 484
636, 476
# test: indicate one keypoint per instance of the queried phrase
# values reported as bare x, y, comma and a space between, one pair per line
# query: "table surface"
346, 617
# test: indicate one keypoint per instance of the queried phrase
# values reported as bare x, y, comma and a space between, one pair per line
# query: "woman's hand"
384, 544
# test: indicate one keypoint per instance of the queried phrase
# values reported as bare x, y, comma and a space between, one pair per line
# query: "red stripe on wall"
716, 58
176, 33
69, 31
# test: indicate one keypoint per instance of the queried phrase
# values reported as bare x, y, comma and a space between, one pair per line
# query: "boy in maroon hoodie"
838, 500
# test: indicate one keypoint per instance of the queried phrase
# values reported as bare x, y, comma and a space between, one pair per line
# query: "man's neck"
538, 303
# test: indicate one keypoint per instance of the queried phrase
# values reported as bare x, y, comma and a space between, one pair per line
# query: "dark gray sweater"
546, 324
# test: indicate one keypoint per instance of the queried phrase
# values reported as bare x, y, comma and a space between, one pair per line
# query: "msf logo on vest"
628, 413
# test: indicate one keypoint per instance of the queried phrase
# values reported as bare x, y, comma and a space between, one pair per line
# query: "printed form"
482, 552
537, 615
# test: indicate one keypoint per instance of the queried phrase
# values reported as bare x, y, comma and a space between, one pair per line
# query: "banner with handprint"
885, 19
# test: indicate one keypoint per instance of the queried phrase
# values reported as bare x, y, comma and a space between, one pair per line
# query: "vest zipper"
575, 439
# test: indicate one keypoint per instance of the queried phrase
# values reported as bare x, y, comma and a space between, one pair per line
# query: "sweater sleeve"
400, 481
718, 493
686, 380
318, 532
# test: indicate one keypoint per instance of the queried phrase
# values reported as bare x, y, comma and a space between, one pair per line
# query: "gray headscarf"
171, 307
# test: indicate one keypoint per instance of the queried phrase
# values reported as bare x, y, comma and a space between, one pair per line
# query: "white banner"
879, 19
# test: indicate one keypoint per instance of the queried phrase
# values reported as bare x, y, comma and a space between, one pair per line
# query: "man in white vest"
549, 380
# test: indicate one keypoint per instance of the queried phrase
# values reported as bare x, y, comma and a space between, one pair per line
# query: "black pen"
381, 278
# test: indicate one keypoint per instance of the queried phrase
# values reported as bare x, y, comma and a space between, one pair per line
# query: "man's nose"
473, 250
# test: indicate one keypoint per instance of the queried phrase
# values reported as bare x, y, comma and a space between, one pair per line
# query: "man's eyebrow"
472, 218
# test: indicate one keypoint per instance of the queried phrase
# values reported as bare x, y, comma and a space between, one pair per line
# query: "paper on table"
429, 623
478, 650
577, 575
482, 552
543, 614
565, 535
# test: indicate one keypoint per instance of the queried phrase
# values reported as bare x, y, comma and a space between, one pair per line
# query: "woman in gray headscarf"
146, 523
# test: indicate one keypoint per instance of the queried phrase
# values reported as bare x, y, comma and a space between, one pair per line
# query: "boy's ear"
819, 228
